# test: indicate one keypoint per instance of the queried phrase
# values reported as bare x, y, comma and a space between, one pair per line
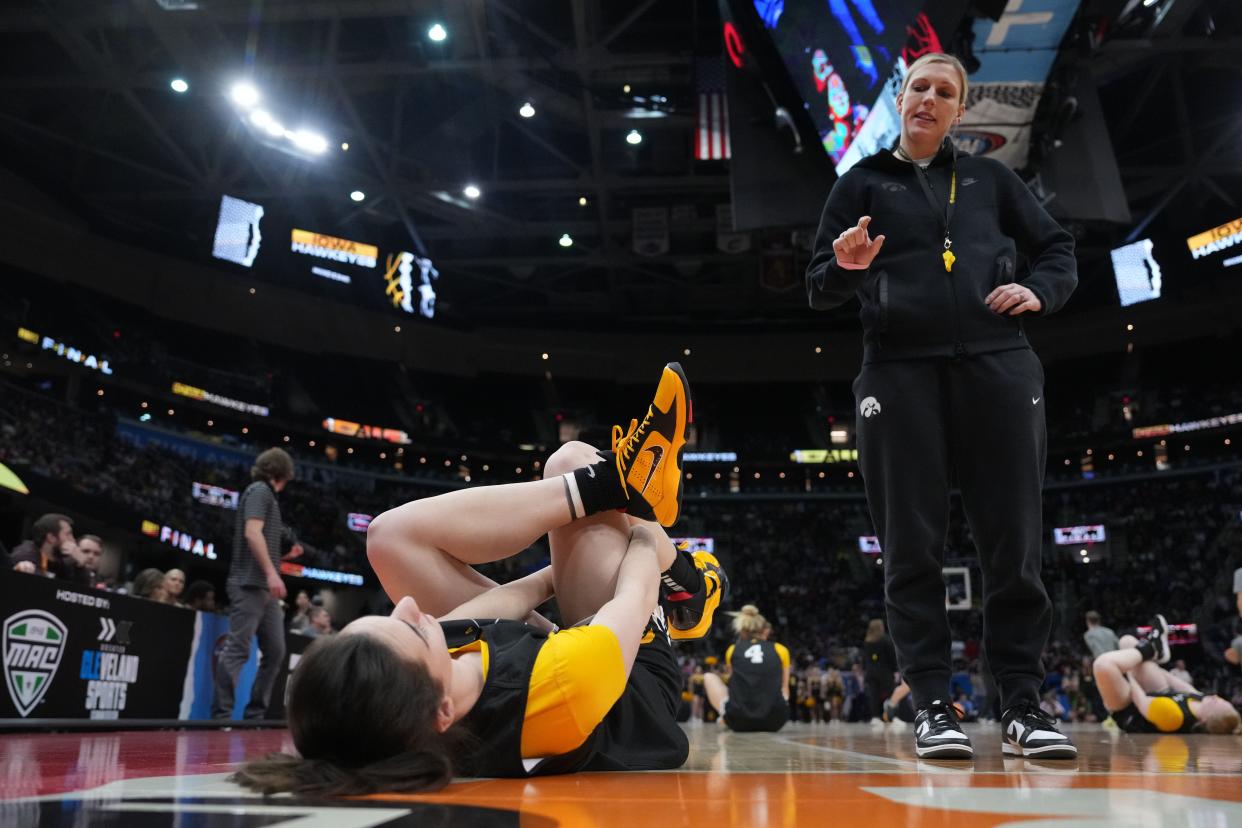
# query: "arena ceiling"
88, 118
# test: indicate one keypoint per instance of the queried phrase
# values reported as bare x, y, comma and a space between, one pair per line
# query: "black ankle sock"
1147, 648
599, 487
682, 576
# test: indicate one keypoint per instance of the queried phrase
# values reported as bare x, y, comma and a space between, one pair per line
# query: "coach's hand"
855, 249
1013, 299
275, 586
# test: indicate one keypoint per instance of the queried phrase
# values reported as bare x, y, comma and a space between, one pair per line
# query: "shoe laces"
625, 443
1033, 714
941, 715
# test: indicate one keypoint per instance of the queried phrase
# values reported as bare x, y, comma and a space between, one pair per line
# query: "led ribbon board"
869, 545
329, 575
183, 390
368, 432
824, 455
215, 495
1138, 275
1078, 535
181, 540
68, 352
1144, 432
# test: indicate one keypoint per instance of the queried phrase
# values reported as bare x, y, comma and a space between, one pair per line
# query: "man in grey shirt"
1100, 639
255, 588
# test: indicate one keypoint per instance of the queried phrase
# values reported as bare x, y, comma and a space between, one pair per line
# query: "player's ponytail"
747, 622
363, 720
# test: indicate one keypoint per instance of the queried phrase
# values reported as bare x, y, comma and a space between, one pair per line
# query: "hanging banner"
650, 231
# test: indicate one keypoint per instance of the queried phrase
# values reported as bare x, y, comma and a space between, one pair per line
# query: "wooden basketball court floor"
836, 774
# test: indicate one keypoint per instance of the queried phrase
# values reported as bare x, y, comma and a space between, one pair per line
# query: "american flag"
711, 142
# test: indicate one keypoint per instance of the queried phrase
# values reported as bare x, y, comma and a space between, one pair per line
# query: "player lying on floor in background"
406, 702
1142, 697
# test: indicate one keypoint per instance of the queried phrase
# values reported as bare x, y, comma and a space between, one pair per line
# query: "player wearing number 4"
757, 695
933, 244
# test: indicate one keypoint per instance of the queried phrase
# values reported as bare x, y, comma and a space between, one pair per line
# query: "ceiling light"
261, 118
357, 195
626, 89
312, 142
527, 110
344, 146
472, 191
582, 201
245, 95
274, 128
437, 33
179, 85
566, 241
635, 137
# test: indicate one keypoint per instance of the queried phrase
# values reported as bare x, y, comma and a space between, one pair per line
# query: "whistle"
949, 259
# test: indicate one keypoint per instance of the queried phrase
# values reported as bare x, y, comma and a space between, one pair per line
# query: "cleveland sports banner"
79, 653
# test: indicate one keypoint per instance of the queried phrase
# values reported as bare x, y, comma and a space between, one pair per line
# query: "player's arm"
782, 652
515, 600
638, 580
1141, 701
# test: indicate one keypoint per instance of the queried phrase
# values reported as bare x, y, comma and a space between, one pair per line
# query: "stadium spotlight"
261, 118
344, 146
179, 85
634, 137
244, 95
472, 191
527, 110
566, 240
582, 201
311, 142
274, 128
437, 33
357, 195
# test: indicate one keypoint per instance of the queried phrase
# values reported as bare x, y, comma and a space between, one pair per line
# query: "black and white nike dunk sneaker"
937, 734
1029, 731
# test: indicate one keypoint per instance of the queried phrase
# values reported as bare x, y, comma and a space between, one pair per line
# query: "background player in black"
757, 695
950, 390
879, 666
1142, 697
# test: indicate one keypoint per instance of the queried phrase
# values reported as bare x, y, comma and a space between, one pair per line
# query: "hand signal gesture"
855, 249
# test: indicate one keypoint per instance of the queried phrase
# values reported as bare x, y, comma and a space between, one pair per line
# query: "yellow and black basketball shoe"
648, 455
689, 614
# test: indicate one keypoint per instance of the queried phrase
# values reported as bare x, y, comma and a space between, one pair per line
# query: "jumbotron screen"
305, 253
847, 60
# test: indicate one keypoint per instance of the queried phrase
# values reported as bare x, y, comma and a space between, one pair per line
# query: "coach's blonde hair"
748, 622
940, 57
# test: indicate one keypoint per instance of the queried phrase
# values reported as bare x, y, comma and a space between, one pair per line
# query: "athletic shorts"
641, 732
770, 722
1131, 720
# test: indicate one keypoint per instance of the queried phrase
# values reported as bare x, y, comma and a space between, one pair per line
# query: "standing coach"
928, 239
255, 588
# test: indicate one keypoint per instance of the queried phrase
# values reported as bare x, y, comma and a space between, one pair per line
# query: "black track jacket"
912, 308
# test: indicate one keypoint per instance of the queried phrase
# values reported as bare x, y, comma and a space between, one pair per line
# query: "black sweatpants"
979, 418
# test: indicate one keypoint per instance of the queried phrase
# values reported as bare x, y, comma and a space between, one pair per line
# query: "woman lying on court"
407, 701
1143, 697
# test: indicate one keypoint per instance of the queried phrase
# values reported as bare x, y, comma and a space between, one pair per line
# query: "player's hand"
276, 586
27, 567
855, 249
1013, 299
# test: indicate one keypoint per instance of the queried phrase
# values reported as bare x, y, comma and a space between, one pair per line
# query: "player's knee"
573, 455
1128, 641
382, 534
